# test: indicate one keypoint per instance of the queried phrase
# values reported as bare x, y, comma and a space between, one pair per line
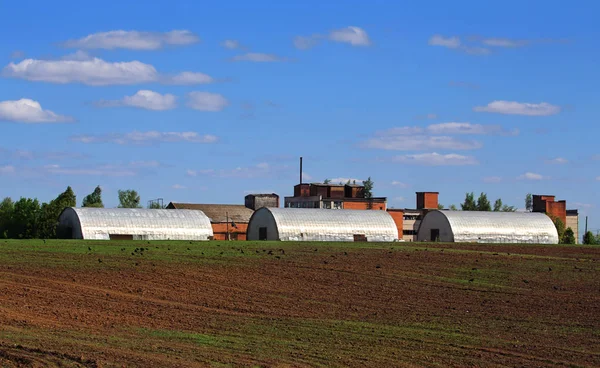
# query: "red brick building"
333, 196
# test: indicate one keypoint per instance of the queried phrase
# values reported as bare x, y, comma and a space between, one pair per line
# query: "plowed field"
188, 304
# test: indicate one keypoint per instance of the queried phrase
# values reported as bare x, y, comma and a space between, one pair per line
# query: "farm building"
487, 227
229, 221
313, 224
134, 224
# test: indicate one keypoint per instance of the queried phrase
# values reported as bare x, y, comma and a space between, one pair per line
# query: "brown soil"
308, 305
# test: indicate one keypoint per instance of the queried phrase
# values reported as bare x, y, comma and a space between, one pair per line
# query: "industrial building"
409, 220
311, 224
134, 224
230, 221
487, 227
557, 209
334, 196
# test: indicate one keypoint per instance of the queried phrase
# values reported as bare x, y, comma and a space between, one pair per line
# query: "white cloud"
95, 72
353, 35
518, 108
436, 159
419, 143
78, 55
258, 57
399, 184
583, 205
206, 101
232, 44
492, 179
22, 154
558, 161
531, 176
305, 43
137, 137
178, 186
406, 130
345, 180
188, 78
133, 40
6, 170
399, 199
103, 170
504, 42
261, 170
191, 172
29, 111
468, 128
474, 50
78, 68
144, 99
450, 42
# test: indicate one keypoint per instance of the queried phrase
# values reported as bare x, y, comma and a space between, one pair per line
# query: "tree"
483, 204
156, 205
589, 238
94, 199
440, 206
469, 203
326, 181
498, 205
368, 184
506, 208
7, 208
25, 219
453, 208
529, 202
129, 199
568, 236
50, 212
560, 227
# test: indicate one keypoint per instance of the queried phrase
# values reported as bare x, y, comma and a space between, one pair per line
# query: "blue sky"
207, 101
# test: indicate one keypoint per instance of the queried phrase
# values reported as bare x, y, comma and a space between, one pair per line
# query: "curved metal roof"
156, 224
314, 224
496, 227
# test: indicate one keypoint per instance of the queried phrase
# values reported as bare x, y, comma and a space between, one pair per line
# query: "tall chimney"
300, 169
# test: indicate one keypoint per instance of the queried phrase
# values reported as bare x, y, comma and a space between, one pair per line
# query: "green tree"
368, 184
498, 205
440, 206
483, 204
51, 211
7, 208
94, 199
453, 208
156, 206
529, 202
129, 199
469, 203
589, 238
506, 208
326, 181
568, 236
560, 227
25, 219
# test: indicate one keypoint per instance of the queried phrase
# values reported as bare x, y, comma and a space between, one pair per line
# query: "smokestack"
585, 224
300, 169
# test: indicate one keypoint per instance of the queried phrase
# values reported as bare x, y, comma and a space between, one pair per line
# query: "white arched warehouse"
314, 224
134, 223
487, 227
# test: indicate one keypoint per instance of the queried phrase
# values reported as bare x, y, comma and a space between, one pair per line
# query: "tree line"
481, 204
27, 218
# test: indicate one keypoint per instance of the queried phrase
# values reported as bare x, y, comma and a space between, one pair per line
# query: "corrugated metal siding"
305, 224
492, 227
150, 224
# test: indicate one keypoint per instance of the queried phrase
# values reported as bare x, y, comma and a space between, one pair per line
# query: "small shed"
134, 224
487, 227
314, 224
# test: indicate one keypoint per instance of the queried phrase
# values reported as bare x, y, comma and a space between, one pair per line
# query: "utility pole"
227, 219
585, 225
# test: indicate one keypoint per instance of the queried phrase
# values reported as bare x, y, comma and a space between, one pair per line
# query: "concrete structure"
411, 218
573, 223
256, 201
487, 227
333, 196
228, 221
134, 224
311, 224
548, 205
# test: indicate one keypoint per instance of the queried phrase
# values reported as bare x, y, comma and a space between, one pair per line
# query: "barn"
487, 227
314, 224
134, 224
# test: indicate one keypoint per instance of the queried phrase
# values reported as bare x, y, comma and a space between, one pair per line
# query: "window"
338, 205
409, 232
327, 205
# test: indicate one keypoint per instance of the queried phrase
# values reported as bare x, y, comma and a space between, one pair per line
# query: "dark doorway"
435, 234
120, 237
262, 233
360, 238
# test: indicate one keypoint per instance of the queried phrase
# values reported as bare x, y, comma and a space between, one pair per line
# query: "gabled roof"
218, 212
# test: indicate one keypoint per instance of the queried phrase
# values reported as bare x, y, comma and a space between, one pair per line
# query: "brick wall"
557, 209
398, 216
364, 205
427, 200
220, 231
